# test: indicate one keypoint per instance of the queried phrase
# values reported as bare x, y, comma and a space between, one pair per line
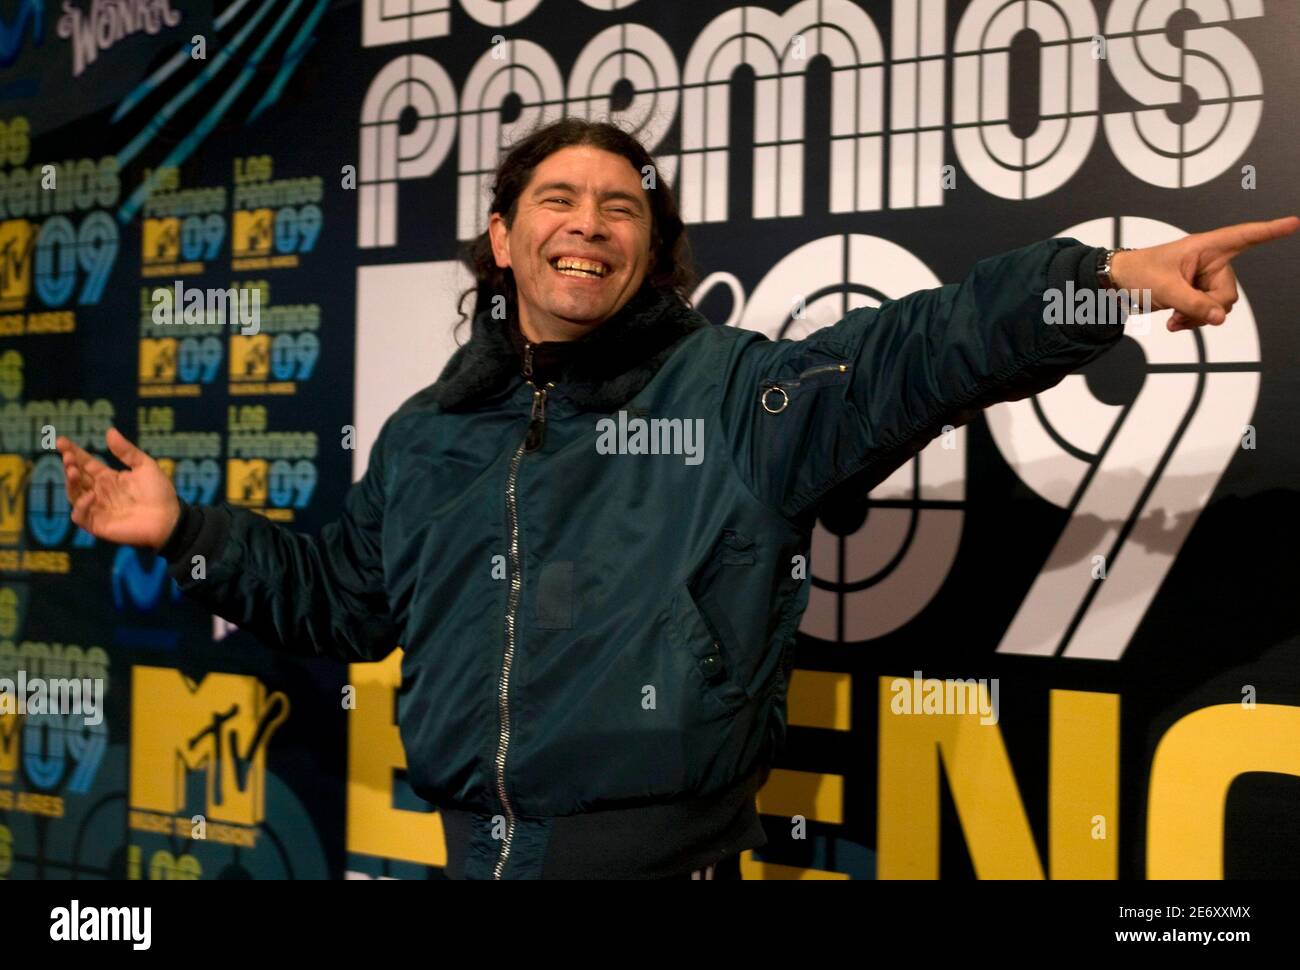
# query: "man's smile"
579, 267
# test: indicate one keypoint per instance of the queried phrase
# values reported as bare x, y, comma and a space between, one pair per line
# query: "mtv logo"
160, 241
15, 470
221, 727
246, 481
251, 233
250, 357
16, 242
158, 360
11, 732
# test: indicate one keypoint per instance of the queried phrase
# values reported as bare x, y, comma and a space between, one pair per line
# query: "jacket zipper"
818, 370
772, 406
532, 441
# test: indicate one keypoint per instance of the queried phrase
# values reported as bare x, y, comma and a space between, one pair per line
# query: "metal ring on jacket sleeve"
785, 399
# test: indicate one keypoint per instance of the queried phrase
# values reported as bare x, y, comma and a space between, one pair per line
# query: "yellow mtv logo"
246, 481
17, 240
160, 242
11, 732
14, 471
250, 357
251, 233
158, 360
221, 727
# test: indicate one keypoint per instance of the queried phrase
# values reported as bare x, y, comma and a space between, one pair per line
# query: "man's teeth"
571, 266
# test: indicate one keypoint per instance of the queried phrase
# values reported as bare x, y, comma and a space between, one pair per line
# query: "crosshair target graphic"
878, 561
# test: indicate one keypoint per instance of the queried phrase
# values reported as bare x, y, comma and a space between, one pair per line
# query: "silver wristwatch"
1104, 280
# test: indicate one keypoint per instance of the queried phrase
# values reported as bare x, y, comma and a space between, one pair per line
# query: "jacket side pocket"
696, 636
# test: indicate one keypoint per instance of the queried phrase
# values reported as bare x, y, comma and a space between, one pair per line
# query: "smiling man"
597, 644
579, 246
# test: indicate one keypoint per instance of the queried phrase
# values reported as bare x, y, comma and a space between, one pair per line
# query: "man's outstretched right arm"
309, 595
303, 594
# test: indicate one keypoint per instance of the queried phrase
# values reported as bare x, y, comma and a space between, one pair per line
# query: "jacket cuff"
201, 531
185, 532
1078, 264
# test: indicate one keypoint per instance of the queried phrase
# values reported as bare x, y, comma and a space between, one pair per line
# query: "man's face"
582, 203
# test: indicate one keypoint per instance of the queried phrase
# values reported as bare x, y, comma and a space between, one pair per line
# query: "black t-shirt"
549, 356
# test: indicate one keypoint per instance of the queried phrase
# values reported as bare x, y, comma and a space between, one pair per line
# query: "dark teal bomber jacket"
597, 647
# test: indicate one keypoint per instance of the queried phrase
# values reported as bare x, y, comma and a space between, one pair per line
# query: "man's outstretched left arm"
858, 399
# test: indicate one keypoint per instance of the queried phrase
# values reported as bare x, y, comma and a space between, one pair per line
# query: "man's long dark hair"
673, 266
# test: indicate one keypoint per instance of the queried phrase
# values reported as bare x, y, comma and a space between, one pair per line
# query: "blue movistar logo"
11, 34
133, 585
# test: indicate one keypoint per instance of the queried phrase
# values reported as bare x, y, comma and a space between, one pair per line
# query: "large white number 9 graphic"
1134, 477
872, 576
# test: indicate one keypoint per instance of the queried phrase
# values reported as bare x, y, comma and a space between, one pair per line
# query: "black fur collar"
606, 369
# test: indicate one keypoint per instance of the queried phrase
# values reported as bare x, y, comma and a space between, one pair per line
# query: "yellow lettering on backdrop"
1195, 764
375, 751
1084, 783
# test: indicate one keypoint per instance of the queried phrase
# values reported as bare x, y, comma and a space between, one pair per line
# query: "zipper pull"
537, 421
528, 361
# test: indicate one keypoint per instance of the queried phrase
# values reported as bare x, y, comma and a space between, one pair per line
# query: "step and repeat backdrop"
1106, 572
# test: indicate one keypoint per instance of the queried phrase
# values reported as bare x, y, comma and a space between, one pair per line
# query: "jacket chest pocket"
801, 424
721, 655
777, 395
